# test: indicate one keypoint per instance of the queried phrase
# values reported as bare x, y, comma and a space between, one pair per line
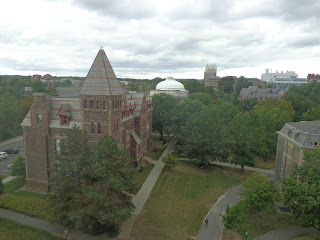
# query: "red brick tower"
101, 100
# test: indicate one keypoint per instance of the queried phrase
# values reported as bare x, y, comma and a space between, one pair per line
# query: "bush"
31, 207
170, 160
259, 192
18, 167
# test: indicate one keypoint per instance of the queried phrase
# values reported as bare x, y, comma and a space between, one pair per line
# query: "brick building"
101, 109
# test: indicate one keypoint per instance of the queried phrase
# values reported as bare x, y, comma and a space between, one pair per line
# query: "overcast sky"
146, 38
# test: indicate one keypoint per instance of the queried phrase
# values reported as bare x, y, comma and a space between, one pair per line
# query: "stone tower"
101, 100
210, 71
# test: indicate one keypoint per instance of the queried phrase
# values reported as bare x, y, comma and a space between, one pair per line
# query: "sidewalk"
44, 225
215, 226
141, 197
287, 232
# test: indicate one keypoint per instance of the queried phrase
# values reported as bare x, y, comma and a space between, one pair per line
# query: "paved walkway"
141, 197
44, 225
215, 226
8, 179
265, 171
287, 232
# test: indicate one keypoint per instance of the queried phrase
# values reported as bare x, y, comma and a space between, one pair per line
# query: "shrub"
18, 167
259, 192
170, 160
31, 207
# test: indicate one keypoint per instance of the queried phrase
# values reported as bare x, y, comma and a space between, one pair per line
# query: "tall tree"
281, 104
244, 133
301, 190
91, 187
311, 114
193, 86
226, 84
242, 82
163, 105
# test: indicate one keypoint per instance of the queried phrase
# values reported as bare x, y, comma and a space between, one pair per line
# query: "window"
91, 104
99, 127
64, 119
85, 104
92, 127
58, 145
98, 104
104, 105
39, 118
112, 104
117, 125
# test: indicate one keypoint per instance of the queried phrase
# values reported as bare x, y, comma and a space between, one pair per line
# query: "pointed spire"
101, 79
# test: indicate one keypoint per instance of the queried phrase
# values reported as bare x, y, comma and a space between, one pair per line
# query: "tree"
233, 217
193, 86
170, 160
91, 187
162, 104
242, 82
226, 84
281, 104
259, 192
244, 134
247, 104
270, 121
205, 98
301, 190
18, 167
311, 114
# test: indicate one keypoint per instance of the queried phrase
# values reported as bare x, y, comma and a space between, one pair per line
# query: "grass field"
3, 176
16, 231
180, 200
269, 164
157, 147
12, 186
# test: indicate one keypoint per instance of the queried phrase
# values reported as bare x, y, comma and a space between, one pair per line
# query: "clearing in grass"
180, 200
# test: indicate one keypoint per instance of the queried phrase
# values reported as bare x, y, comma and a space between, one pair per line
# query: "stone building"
313, 78
101, 108
293, 140
260, 94
172, 87
210, 78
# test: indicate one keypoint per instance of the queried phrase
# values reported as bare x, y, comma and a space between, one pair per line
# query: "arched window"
92, 127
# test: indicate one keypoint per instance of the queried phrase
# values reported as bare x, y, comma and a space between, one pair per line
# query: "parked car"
3, 155
12, 151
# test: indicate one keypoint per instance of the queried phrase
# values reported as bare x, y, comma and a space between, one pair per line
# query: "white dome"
170, 84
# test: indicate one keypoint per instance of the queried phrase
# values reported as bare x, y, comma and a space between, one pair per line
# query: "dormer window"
64, 114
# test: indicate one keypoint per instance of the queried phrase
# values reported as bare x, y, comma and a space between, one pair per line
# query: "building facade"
260, 94
282, 80
101, 108
313, 78
293, 140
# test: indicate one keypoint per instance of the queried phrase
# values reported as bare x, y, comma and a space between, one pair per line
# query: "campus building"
293, 140
172, 87
101, 108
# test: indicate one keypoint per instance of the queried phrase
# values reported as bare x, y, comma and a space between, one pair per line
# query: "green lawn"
180, 200
157, 147
16, 231
12, 186
3, 176
269, 164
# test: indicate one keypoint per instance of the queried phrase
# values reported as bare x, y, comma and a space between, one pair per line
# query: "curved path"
287, 232
215, 226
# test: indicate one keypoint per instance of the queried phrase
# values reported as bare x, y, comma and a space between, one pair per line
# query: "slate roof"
306, 133
101, 79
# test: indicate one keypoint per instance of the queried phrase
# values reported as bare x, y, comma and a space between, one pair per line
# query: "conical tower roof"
101, 79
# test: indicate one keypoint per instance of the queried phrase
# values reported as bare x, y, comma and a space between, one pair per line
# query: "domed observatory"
172, 87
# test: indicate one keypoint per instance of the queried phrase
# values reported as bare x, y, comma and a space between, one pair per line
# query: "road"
4, 169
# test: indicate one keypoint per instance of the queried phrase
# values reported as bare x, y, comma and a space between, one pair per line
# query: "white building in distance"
172, 87
282, 80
